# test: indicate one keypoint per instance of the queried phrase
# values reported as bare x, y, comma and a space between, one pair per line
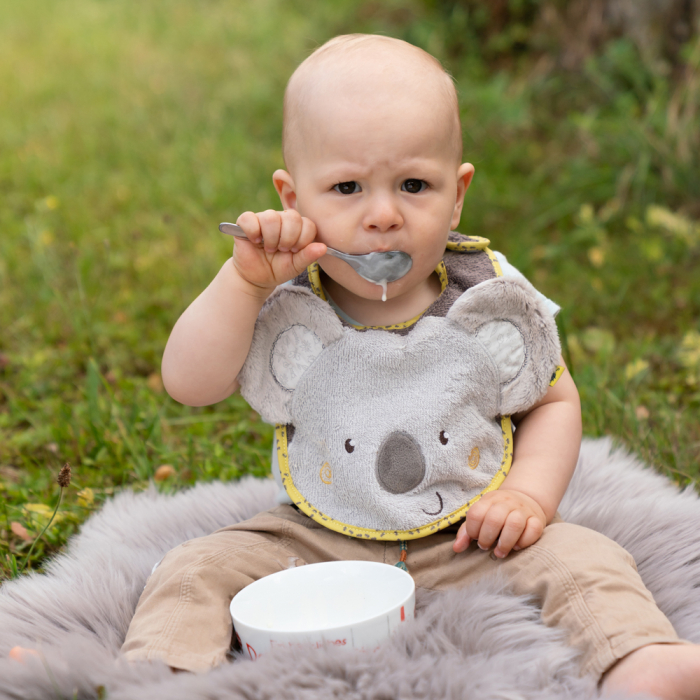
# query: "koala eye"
349, 445
444, 437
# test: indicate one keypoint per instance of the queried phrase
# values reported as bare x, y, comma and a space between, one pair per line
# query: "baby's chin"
354, 285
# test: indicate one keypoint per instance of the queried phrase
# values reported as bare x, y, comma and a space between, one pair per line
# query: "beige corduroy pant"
585, 583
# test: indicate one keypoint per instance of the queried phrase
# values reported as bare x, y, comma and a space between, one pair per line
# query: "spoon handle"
232, 230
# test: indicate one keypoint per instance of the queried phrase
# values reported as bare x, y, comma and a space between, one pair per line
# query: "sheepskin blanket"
480, 643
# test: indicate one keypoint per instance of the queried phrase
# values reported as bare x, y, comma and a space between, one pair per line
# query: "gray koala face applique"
394, 437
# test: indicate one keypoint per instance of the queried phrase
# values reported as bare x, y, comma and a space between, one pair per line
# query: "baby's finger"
249, 222
307, 234
291, 228
270, 226
492, 525
533, 531
510, 534
307, 255
475, 518
462, 541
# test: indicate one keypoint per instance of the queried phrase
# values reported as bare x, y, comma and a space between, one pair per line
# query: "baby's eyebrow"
345, 172
409, 168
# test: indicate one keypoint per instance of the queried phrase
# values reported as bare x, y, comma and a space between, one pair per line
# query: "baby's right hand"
280, 246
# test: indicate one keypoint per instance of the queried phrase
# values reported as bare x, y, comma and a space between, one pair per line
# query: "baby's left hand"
513, 518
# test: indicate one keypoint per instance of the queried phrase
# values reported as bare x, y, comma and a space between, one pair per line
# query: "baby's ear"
293, 328
518, 332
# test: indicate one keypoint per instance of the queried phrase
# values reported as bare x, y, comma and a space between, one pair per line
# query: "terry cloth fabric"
464, 268
436, 390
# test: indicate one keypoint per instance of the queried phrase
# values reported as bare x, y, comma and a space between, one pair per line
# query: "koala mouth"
437, 512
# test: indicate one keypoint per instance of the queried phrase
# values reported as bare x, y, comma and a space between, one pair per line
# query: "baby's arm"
545, 452
211, 340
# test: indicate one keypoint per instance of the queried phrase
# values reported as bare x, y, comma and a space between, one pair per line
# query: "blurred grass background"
128, 130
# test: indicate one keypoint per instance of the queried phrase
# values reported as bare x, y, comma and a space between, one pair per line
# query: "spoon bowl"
378, 268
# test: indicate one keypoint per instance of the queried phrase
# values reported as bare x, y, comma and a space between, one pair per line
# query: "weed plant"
129, 130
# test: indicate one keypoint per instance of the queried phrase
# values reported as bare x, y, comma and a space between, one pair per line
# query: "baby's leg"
665, 671
586, 584
183, 615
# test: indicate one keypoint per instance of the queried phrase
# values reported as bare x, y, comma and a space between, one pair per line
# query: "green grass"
128, 130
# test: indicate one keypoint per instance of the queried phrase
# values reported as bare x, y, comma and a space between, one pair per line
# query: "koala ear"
292, 329
519, 333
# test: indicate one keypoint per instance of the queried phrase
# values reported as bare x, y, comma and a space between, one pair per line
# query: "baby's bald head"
368, 72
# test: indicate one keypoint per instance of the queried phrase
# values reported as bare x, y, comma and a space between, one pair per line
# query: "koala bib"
394, 435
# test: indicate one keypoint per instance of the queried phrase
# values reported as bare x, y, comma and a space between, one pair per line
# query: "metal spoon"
378, 268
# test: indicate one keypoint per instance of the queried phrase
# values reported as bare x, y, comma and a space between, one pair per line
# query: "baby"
373, 149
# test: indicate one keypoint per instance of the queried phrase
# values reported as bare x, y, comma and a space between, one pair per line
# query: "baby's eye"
414, 186
349, 445
350, 187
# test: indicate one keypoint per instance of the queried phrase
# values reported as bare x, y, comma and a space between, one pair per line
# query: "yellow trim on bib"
390, 535
558, 371
474, 243
314, 272
494, 262
441, 272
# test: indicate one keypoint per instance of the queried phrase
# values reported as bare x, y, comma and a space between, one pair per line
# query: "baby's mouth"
437, 512
378, 268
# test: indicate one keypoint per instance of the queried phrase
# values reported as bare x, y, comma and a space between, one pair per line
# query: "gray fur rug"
480, 643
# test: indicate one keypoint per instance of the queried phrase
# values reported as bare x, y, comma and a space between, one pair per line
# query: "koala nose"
400, 463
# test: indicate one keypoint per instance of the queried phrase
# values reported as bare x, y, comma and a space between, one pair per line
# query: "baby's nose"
400, 463
383, 215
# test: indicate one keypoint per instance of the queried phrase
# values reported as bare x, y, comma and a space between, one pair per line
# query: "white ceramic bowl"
351, 604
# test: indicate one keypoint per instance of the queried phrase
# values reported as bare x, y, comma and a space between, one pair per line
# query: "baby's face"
377, 176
